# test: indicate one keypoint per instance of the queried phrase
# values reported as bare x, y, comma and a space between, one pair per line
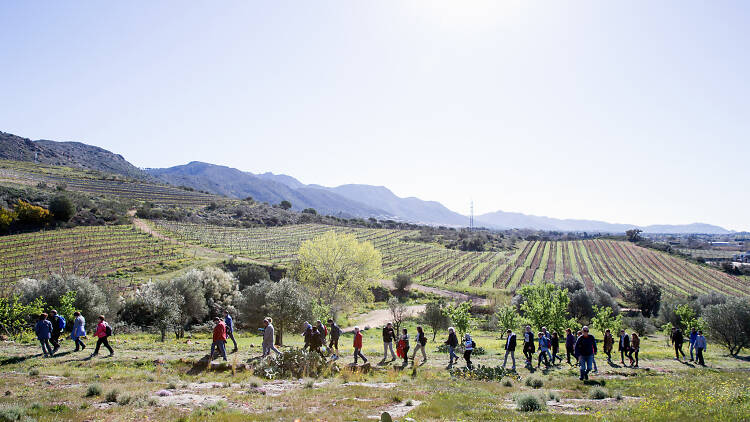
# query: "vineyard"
90, 251
592, 261
99, 184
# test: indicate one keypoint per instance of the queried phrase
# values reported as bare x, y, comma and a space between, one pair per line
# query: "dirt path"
458, 297
380, 317
146, 227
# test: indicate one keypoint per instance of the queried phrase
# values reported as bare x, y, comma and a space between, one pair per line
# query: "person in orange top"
220, 338
358, 346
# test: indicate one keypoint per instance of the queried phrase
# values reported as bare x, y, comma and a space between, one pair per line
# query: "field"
150, 380
592, 261
93, 251
100, 184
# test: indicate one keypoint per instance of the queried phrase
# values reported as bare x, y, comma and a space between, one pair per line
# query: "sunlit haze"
635, 112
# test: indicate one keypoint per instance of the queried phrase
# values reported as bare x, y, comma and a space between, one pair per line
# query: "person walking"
452, 344
333, 345
678, 340
528, 345
358, 346
229, 322
691, 338
570, 342
624, 346
635, 347
555, 343
219, 339
585, 349
609, 342
79, 330
43, 331
103, 331
322, 332
307, 335
543, 350
700, 347
403, 347
469, 346
316, 340
389, 336
268, 338
510, 348
421, 342
58, 324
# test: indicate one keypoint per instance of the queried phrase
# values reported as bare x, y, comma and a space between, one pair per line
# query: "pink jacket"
101, 330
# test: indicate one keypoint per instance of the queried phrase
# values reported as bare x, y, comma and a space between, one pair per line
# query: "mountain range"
350, 200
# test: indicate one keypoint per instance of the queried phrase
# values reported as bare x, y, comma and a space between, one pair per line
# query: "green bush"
62, 208
294, 363
480, 372
94, 390
478, 351
534, 382
11, 413
528, 402
112, 396
598, 393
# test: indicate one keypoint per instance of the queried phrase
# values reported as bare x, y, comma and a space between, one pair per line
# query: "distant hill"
264, 188
510, 220
70, 154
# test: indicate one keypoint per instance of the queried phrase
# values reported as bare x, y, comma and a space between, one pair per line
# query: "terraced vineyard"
91, 251
100, 184
592, 261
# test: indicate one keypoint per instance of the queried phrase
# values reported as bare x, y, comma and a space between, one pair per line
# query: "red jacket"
101, 330
358, 340
220, 332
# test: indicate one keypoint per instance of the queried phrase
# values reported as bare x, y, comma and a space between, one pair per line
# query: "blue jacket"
228, 322
43, 329
543, 343
700, 342
79, 327
693, 336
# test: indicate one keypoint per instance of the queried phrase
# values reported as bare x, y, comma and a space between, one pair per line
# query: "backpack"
423, 340
61, 322
108, 330
473, 344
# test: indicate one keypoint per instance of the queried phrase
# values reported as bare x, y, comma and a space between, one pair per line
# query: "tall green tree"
460, 317
338, 269
546, 305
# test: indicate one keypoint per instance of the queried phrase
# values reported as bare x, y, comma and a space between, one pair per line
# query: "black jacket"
624, 343
510, 343
316, 340
585, 346
335, 331
676, 337
56, 324
452, 340
388, 335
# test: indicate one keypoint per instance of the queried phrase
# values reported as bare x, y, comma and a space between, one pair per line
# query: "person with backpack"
585, 349
219, 339
229, 322
543, 350
700, 347
268, 338
79, 330
103, 331
389, 336
358, 346
421, 343
322, 332
58, 325
43, 331
452, 344
333, 345
510, 348
403, 346
469, 346
570, 342
528, 345
635, 347
691, 338
609, 342
315, 340
678, 339
307, 335
624, 347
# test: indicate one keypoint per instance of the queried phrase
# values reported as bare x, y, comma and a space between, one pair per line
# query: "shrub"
112, 395
554, 395
294, 363
478, 351
89, 299
62, 208
251, 275
528, 402
729, 324
31, 214
402, 282
33, 372
94, 390
646, 295
480, 372
641, 325
11, 413
534, 382
507, 383
598, 393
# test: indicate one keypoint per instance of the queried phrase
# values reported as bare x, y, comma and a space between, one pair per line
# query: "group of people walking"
49, 328
697, 342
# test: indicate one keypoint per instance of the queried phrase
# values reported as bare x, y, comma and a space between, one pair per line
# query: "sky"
630, 112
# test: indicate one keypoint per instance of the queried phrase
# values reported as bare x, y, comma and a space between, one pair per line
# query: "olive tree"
729, 324
286, 302
435, 317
